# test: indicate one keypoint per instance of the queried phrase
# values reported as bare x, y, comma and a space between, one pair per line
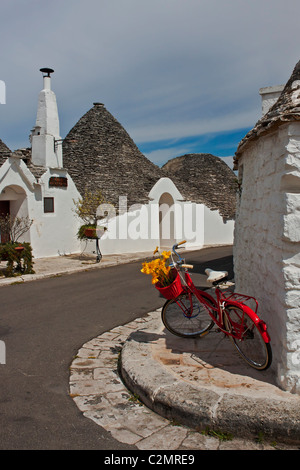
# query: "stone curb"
198, 407
101, 395
106, 263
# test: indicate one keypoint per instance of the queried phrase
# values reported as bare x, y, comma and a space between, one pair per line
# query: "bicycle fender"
261, 325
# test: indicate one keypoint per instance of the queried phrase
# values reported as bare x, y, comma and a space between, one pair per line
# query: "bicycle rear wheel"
186, 316
251, 345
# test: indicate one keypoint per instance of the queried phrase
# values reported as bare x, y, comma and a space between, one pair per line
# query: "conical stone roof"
5, 152
99, 153
205, 179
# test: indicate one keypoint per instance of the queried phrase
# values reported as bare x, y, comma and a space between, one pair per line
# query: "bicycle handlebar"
180, 259
174, 248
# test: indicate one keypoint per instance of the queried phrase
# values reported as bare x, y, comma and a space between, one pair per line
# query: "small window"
48, 204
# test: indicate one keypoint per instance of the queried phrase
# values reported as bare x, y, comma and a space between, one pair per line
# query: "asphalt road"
43, 324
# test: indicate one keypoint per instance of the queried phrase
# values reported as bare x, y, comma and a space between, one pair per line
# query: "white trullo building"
34, 183
267, 230
191, 197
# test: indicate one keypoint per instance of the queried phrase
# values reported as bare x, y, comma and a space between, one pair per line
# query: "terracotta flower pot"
90, 232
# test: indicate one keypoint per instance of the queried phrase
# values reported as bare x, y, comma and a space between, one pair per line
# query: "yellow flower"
166, 254
158, 269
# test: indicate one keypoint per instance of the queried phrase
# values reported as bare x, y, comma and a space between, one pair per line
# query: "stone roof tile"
5, 152
205, 179
286, 109
99, 153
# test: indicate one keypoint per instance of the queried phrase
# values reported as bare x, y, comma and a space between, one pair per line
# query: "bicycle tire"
178, 321
252, 348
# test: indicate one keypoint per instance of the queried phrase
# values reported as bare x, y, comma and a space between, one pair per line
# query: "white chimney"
269, 96
46, 142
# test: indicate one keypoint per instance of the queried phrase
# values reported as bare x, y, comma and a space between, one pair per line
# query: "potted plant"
86, 209
87, 231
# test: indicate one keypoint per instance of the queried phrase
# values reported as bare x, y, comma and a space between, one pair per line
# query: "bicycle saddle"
214, 276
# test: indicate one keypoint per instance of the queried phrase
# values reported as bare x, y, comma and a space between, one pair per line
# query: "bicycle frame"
217, 308
190, 289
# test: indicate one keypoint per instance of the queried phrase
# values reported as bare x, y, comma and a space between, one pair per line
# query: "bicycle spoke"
186, 316
247, 338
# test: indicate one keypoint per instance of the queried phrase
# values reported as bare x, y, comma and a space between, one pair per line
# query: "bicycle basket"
173, 290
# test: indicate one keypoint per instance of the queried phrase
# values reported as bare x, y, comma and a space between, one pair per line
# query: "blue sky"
222, 144
181, 76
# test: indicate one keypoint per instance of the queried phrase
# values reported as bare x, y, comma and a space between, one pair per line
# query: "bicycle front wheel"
186, 316
247, 338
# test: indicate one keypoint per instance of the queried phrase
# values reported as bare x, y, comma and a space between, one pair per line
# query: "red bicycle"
190, 312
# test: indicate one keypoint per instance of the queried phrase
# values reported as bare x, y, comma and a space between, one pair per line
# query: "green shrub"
18, 262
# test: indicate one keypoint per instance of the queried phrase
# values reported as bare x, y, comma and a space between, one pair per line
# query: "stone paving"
98, 391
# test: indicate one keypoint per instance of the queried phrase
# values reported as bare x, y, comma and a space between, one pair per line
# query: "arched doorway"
4, 213
13, 203
166, 221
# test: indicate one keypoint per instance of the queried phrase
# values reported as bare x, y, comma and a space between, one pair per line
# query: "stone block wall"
266, 243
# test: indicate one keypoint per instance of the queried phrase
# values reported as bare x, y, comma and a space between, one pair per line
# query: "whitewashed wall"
266, 243
51, 234
141, 229
216, 230
54, 234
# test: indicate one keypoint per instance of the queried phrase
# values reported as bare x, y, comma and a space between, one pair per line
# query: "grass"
221, 435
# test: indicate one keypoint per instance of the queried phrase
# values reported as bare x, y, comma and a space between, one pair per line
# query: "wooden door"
4, 211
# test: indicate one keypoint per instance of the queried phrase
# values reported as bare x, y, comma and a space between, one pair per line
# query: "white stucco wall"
216, 230
142, 229
17, 186
131, 232
266, 243
51, 234
54, 234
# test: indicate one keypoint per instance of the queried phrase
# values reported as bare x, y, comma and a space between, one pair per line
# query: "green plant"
260, 437
221, 435
87, 210
14, 227
18, 262
134, 398
81, 232
86, 207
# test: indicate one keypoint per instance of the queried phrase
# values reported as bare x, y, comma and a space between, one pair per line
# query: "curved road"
43, 324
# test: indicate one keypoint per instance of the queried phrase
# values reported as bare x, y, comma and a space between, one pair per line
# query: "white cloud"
228, 161
164, 68
192, 127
